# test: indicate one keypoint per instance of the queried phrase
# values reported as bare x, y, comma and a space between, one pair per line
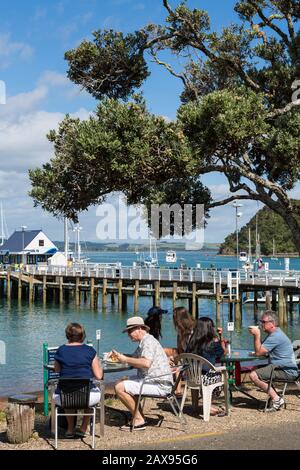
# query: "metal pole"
237, 239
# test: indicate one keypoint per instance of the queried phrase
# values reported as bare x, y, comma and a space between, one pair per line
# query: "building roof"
16, 243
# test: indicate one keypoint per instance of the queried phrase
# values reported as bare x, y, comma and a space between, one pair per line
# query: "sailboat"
151, 261
274, 258
248, 257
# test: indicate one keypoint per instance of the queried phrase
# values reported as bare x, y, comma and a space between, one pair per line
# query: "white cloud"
10, 50
52, 78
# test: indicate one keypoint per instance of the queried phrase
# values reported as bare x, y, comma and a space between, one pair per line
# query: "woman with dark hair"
206, 341
153, 321
77, 360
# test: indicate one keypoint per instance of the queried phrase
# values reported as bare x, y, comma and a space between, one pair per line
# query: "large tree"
239, 115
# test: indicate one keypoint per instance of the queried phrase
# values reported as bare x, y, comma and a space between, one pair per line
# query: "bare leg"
70, 421
129, 402
263, 385
84, 424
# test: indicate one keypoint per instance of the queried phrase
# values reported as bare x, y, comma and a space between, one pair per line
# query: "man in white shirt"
151, 361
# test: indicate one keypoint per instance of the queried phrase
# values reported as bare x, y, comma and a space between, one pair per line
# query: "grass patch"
2, 416
111, 401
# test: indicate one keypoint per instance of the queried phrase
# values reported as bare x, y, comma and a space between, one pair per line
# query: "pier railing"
138, 273
204, 276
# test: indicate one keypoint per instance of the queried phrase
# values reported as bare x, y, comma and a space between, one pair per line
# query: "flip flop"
69, 435
79, 433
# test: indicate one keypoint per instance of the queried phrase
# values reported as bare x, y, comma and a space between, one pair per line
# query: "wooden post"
194, 292
77, 292
157, 293
31, 293
92, 292
136, 296
237, 315
174, 294
281, 306
268, 300
124, 301
274, 300
44, 289
120, 284
61, 292
255, 305
8, 286
20, 418
20, 286
104, 293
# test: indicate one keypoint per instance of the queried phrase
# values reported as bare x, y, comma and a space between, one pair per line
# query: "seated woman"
153, 321
78, 360
207, 342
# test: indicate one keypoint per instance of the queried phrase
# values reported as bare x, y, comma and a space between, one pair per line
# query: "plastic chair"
74, 396
170, 397
194, 380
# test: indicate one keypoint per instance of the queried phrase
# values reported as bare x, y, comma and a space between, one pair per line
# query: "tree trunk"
20, 419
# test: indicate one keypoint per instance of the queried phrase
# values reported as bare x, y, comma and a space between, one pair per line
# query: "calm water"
25, 328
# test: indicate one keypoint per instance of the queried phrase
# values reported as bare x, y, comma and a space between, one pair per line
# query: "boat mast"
2, 225
249, 247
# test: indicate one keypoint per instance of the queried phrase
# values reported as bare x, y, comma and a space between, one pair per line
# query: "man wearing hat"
151, 361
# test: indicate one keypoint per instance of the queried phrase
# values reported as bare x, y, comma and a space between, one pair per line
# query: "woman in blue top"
77, 360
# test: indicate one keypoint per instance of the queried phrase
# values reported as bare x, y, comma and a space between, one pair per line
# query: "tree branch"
230, 199
286, 109
269, 23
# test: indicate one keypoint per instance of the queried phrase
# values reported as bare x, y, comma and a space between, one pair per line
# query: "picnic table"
234, 369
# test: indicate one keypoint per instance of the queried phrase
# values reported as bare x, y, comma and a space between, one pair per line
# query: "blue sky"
34, 36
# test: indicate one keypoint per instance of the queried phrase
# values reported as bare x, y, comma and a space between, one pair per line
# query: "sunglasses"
265, 321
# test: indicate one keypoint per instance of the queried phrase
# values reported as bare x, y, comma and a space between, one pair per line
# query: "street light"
237, 215
23, 227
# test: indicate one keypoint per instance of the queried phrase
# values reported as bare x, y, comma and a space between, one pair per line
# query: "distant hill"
161, 246
270, 225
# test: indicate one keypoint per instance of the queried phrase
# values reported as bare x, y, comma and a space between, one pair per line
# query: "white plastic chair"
194, 380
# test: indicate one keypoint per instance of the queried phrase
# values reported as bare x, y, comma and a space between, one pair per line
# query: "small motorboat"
171, 256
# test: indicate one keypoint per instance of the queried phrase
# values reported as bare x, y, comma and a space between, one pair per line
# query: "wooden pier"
90, 280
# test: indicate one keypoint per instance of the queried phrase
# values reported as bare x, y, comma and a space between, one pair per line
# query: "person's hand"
220, 330
171, 361
120, 357
254, 330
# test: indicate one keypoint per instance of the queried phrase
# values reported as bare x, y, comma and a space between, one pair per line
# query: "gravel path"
244, 417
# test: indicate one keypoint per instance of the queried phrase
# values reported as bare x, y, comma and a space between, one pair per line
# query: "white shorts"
95, 396
133, 387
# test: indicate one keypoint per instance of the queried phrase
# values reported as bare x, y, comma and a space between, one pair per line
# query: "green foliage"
110, 58
270, 227
121, 148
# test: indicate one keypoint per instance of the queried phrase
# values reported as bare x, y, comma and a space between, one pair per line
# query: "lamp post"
237, 215
23, 227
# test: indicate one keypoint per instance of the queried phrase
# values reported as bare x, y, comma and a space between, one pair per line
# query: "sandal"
69, 435
79, 433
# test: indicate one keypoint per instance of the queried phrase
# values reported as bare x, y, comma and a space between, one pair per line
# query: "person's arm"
258, 348
221, 339
56, 367
97, 369
136, 362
